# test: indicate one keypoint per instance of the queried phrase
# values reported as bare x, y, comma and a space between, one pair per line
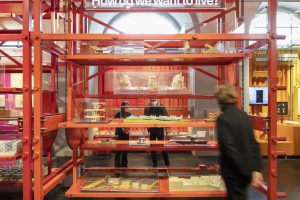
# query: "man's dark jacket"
239, 150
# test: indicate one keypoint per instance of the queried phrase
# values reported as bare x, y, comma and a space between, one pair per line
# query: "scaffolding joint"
35, 140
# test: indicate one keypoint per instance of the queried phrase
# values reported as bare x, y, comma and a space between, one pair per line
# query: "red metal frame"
44, 126
272, 83
42, 41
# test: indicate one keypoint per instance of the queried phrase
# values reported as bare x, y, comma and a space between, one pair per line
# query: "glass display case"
138, 180
148, 82
121, 181
204, 179
103, 110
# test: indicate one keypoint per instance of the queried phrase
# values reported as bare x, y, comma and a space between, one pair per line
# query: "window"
145, 23
288, 24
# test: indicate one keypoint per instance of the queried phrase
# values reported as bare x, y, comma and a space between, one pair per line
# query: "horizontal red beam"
11, 7
139, 37
11, 158
171, 44
11, 37
149, 96
154, 59
20, 70
11, 90
6, 31
15, 184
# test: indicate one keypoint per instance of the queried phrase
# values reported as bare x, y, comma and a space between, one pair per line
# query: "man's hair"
226, 94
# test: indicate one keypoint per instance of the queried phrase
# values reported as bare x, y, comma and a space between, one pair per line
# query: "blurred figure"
122, 134
240, 157
157, 109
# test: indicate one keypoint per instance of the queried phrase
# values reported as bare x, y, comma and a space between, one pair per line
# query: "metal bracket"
44, 129
278, 153
35, 140
25, 140
35, 88
25, 155
35, 155
277, 139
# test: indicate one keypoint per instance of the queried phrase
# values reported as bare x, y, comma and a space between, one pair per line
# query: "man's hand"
257, 179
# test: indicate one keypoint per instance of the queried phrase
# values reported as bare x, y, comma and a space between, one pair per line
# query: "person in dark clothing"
240, 157
157, 109
122, 134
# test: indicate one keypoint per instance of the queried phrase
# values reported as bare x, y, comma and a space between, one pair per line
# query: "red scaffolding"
77, 23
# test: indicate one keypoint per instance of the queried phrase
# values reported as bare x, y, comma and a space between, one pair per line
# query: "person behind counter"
122, 134
240, 158
157, 109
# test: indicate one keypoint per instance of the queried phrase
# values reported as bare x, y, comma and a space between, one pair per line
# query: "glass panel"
148, 82
121, 181
204, 179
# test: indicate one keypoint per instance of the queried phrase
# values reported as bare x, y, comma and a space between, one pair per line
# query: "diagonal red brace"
206, 73
11, 58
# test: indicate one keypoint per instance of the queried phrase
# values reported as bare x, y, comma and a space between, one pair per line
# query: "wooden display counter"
292, 144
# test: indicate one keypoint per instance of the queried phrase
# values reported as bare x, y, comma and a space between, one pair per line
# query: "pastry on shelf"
210, 49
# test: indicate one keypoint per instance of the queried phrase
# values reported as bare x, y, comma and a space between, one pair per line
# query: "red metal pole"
69, 69
74, 27
237, 11
53, 85
49, 162
272, 83
38, 102
27, 102
86, 87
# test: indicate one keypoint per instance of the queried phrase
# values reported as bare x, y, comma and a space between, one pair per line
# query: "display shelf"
11, 90
75, 191
155, 59
150, 96
11, 158
122, 145
9, 183
118, 123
